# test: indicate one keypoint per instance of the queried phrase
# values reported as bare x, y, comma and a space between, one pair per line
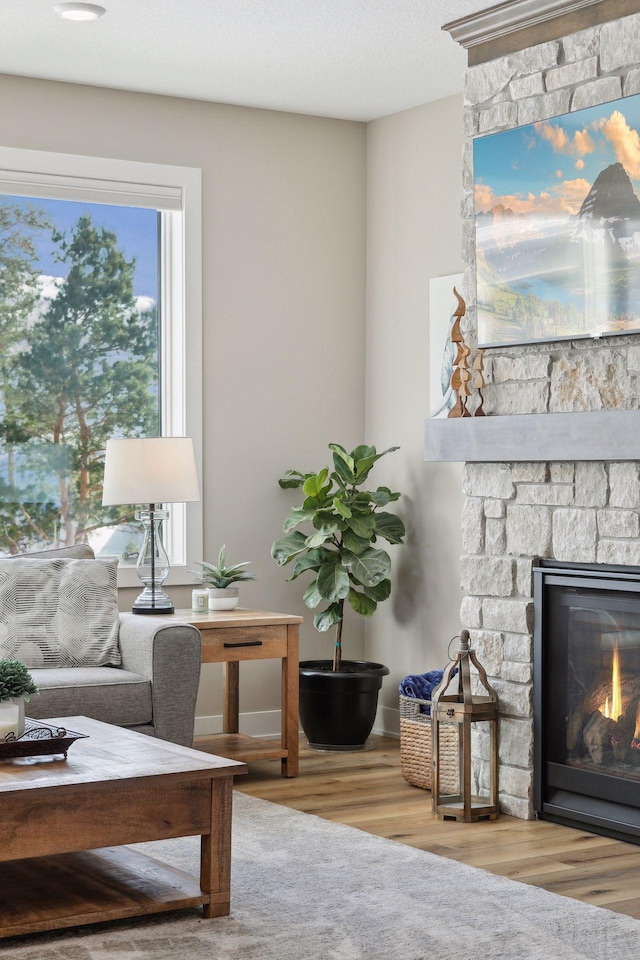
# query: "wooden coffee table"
71, 818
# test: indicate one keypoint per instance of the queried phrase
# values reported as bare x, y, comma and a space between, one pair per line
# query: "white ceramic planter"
12, 717
226, 599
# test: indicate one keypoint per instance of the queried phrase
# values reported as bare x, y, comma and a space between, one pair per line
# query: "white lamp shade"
150, 470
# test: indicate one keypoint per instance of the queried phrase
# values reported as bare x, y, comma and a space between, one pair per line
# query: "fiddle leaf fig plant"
345, 521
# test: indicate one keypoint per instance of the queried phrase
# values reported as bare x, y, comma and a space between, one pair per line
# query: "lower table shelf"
73, 889
238, 746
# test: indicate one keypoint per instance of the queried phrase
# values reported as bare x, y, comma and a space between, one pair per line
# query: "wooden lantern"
463, 710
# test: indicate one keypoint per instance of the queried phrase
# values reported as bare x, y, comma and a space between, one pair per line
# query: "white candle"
9, 719
200, 601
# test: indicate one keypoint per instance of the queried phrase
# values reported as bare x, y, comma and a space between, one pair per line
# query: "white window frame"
177, 192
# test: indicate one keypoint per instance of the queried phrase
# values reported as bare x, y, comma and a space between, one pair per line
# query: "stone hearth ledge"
528, 438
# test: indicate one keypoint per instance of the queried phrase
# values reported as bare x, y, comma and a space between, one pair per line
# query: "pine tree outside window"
98, 338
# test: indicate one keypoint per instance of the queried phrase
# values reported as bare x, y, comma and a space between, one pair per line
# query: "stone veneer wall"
583, 512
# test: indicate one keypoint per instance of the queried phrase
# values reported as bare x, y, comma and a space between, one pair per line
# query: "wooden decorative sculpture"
479, 382
461, 376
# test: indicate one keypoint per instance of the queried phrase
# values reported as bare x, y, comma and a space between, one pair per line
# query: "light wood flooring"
366, 790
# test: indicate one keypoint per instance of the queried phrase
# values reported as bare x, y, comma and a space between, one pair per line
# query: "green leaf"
390, 527
344, 463
340, 507
380, 592
353, 543
236, 568
286, 548
312, 596
361, 603
297, 515
291, 479
342, 470
313, 484
364, 465
383, 496
363, 451
369, 567
318, 538
325, 619
339, 453
339, 481
312, 560
327, 520
289, 484
333, 581
362, 525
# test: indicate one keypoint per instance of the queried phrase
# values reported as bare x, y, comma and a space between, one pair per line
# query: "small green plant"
221, 576
15, 681
340, 552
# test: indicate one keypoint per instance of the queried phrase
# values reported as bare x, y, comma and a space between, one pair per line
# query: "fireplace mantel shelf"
598, 435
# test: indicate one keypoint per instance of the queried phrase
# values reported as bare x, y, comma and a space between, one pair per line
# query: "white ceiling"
355, 59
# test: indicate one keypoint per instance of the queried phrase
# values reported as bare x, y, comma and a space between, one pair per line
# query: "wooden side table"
230, 636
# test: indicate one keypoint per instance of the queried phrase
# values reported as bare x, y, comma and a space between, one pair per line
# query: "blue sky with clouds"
548, 168
135, 227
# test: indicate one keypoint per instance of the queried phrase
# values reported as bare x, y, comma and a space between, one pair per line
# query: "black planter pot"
338, 709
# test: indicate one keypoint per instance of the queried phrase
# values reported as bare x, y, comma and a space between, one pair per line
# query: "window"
98, 335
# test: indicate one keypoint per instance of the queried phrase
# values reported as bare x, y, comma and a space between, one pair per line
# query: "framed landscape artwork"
558, 227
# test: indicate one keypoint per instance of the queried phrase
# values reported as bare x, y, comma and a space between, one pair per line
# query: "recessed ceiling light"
79, 11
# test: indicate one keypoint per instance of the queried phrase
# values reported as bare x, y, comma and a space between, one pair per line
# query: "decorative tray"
39, 739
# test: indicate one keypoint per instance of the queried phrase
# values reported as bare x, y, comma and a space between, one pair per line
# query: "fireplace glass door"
587, 704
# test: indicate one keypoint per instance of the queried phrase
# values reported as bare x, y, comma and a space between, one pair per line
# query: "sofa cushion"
104, 693
60, 612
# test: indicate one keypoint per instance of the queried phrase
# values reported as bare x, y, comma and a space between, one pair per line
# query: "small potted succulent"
219, 579
16, 686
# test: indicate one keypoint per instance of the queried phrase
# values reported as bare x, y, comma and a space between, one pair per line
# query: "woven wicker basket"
416, 752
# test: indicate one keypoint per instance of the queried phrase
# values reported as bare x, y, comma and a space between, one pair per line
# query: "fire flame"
636, 735
612, 710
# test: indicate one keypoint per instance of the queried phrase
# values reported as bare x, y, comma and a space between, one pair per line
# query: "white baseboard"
387, 722
266, 723
261, 723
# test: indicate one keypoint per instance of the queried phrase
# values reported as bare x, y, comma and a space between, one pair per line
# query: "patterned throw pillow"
59, 613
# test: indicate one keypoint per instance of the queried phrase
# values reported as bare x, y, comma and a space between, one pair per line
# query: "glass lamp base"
153, 603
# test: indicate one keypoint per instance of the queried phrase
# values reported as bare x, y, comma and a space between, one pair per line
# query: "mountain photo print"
558, 227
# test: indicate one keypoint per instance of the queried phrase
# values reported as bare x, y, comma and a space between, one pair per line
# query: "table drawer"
231, 643
82, 816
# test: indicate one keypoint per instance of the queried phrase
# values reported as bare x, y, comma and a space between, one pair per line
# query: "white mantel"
532, 438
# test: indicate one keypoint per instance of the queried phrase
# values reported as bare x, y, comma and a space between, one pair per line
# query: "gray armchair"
153, 691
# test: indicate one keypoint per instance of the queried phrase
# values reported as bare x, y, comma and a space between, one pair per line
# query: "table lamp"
153, 470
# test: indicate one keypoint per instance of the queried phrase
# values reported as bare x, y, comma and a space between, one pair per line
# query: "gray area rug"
307, 889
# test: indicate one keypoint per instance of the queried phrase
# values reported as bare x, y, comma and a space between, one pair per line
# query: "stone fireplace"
583, 510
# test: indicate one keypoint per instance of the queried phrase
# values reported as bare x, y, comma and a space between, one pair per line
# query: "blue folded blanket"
420, 686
